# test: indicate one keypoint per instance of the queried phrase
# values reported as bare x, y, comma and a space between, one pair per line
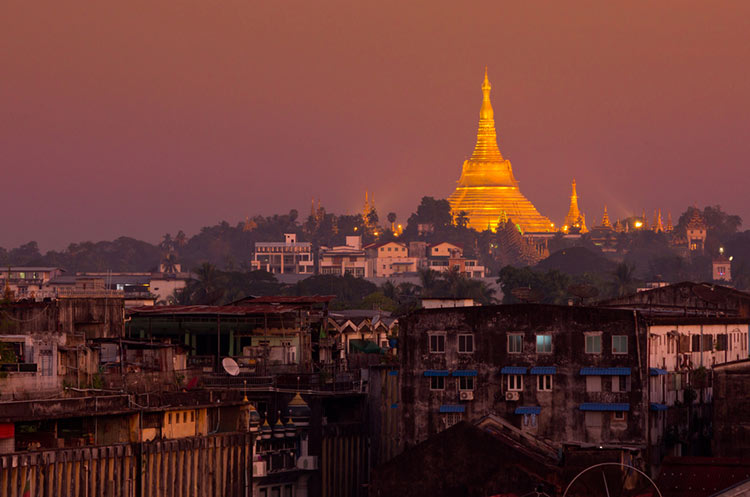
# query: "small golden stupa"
487, 186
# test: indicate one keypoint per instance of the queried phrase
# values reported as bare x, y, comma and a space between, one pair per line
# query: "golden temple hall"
487, 189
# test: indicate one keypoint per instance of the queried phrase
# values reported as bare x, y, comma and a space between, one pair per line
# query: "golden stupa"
487, 187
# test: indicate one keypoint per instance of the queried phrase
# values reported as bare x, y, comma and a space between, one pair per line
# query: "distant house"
388, 258
289, 256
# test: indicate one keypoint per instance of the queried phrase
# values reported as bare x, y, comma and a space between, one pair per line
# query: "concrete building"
568, 375
721, 268
388, 258
289, 256
731, 409
29, 282
344, 259
443, 257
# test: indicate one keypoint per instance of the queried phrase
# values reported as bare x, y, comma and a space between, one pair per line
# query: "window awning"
656, 371
544, 370
600, 406
465, 372
528, 410
658, 407
605, 371
437, 372
452, 408
513, 370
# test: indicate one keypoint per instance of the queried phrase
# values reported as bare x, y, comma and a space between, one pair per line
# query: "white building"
388, 258
289, 256
344, 259
445, 256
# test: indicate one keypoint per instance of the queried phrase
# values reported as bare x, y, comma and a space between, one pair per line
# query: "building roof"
701, 476
284, 299
380, 244
29, 268
222, 310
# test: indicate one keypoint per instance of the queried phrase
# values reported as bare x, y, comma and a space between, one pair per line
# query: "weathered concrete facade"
594, 390
211, 465
731, 410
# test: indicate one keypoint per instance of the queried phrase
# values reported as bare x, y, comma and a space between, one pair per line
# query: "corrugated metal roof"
600, 406
452, 408
528, 410
606, 371
437, 372
231, 310
544, 370
513, 370
465, 372
656, 371
658, 407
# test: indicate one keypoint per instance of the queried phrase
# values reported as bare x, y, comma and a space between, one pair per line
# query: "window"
184, 417
543, 344
515, 382
593, 419
451, 419
437, 383
618, 416
169, 418
594, 344
515, 343
593, 383
466, 383
465, 344
621, 383
544, 382
619, 344
721, 342
437, 343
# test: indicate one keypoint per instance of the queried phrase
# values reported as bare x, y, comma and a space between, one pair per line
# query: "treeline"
651, 256
212, 286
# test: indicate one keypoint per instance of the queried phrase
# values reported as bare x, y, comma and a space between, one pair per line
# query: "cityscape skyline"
108, 114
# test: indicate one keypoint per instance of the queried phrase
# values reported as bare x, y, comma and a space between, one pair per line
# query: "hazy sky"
141, 117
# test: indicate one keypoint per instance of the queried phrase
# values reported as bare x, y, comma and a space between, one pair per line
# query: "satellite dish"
230, 366
612, 478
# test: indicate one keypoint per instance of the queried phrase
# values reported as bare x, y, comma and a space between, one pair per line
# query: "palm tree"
207, 288
623, 279
167, 243
429, 281
180, 240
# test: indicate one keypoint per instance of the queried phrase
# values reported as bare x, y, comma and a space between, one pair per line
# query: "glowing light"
730, 258
638, 224
721, 250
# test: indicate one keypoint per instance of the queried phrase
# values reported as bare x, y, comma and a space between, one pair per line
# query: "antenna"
230, 366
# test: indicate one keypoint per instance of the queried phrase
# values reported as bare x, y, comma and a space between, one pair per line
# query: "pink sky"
141, 117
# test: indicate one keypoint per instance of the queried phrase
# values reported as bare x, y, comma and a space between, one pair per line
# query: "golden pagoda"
575, 218
605, 219
487, 187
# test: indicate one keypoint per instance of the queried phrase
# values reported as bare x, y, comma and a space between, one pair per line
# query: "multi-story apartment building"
29, 282
569, 375
388, 258
446, 256
344, 259
287, 257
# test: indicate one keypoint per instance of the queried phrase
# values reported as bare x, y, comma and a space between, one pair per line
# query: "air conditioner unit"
259, 469
466, 395
307, 462
511, 395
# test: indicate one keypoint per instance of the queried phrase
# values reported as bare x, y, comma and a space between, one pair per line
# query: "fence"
191, 467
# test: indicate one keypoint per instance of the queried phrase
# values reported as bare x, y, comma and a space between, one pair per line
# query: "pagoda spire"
669, 221
574, 213
486, 149
605, 219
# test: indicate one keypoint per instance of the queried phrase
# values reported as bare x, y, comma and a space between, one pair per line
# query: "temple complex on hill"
575, 221
487, 187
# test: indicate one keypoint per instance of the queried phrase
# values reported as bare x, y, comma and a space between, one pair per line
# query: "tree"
170, 263
392, 220
206, 289
623, 279
166, 243
462, 219
180, 240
